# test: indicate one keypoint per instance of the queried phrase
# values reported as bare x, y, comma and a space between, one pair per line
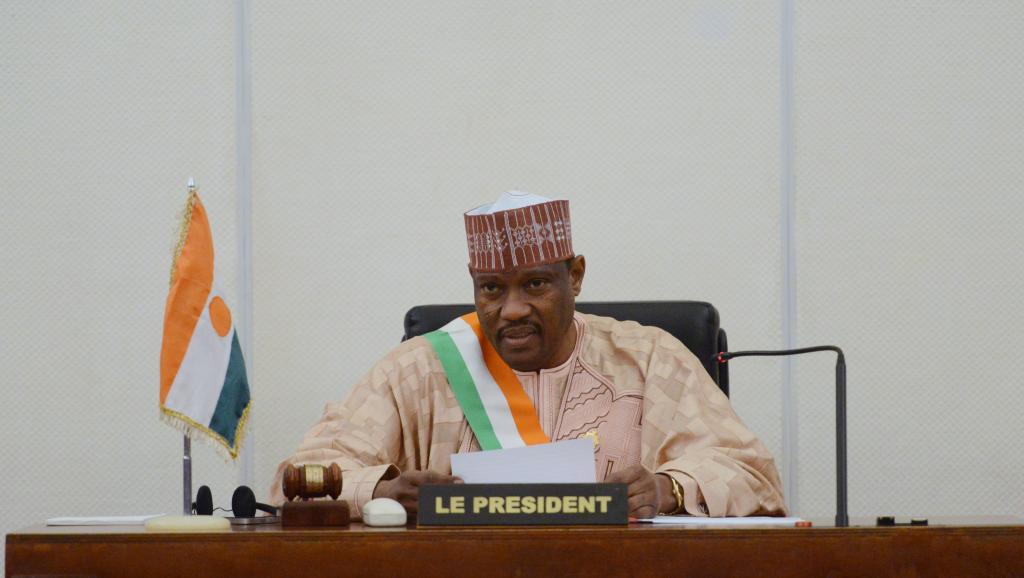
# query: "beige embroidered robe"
648, 399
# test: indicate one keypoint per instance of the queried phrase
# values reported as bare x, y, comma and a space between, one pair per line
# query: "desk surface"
949, 547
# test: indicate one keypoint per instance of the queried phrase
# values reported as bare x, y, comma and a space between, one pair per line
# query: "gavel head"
311, 481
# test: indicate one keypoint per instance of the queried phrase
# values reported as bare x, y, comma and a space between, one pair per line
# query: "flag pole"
186, 465
186, 458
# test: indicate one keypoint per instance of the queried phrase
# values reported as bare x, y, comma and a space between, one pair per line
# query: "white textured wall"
375, 126
106, 108
910, 135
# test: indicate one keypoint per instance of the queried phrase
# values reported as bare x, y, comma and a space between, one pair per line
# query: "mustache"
518, 329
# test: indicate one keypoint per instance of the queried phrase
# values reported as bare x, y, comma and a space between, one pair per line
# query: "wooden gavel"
311, 481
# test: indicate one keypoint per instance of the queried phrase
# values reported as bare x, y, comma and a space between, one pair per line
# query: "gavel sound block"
313, 481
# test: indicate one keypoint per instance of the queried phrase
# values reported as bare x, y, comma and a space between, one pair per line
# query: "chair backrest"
695, 323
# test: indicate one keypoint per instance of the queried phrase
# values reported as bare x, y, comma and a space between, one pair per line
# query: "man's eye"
489, 287
537, 283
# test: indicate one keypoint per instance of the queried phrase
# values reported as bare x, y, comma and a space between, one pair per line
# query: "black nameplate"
523, 504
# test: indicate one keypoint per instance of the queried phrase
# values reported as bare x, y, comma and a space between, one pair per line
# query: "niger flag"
203, 386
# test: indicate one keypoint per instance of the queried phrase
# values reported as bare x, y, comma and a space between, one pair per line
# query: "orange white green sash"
491, 397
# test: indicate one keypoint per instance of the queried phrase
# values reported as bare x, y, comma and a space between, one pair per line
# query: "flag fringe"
190, 427
185, 222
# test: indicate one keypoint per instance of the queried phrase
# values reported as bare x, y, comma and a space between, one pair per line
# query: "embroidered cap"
518, 230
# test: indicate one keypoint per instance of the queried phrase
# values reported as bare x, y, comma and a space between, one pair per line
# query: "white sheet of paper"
723, 522
101, 520
568, 462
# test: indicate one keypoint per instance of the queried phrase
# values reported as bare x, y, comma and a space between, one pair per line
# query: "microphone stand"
842, 515
186, 470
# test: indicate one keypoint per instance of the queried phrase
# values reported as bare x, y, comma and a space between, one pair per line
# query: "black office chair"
695, 323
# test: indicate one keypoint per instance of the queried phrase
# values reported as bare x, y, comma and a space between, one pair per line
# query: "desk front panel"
981, 547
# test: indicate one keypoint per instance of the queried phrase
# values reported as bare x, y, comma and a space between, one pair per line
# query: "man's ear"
577, 269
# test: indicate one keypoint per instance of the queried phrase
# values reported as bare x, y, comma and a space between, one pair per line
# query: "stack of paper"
723, 522
101, 520
568, 462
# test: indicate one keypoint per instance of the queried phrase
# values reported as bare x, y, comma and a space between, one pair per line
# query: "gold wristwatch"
677, 491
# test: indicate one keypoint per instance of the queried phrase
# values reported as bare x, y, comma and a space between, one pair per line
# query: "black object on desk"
891, 521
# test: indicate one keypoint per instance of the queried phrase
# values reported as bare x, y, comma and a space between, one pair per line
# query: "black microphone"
244, 504
842, 515
203, 505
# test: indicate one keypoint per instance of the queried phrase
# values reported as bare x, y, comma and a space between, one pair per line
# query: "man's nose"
515, 307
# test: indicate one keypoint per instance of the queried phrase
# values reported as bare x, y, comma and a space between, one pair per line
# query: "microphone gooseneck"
842, 512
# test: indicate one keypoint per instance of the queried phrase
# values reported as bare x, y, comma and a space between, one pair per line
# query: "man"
527, 368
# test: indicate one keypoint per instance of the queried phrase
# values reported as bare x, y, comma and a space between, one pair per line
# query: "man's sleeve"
361, 434
692, 434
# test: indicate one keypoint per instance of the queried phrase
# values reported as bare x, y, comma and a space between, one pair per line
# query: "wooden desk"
978, 547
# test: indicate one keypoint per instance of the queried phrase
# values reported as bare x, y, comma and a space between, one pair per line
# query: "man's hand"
648, 493
405, 489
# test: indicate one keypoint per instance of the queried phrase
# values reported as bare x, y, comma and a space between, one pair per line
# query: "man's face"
527, 313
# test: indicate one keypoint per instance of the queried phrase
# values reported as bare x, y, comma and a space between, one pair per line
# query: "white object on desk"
568, 462
188, 524
723, 522
100, 520
383, 512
